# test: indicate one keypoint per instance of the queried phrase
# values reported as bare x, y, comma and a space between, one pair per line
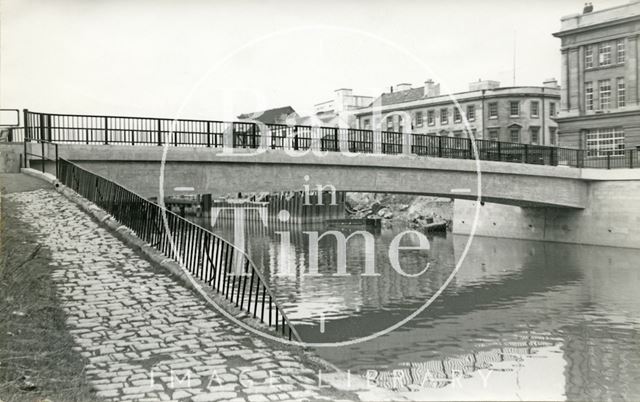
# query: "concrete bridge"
524, 201
525, 194
211, 171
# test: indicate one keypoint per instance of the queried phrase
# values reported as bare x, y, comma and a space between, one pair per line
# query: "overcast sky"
216, 59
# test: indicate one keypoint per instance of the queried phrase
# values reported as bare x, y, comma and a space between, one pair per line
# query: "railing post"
608, 159
208, 134
57, 166
439, 146
526, 154
106, 130
49, 127
159, 131
27, 133
580, 158
631, 159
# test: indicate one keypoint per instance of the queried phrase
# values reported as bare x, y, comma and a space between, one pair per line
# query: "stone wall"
10, 157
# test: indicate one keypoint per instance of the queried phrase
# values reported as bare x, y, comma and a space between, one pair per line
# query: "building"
334, 112
599, 108
279, 115
511, 114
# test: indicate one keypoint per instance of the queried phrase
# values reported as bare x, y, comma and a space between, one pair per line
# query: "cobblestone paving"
145, 336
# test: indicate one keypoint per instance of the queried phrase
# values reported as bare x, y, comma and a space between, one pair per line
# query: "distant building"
512, 114
599, 108
279, 115
330, 112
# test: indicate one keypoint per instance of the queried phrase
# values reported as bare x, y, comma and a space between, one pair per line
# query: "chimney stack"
588, 7
431, 88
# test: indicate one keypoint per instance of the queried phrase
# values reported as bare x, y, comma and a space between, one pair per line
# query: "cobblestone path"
145, 336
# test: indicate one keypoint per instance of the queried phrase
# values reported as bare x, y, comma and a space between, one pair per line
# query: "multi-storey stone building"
599, 107
512, 114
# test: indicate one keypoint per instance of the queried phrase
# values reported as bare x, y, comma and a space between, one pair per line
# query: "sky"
217, 59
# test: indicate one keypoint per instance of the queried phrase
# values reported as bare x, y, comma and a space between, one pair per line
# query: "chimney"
431, 88
403, 87
550, 83
483, 84
588, 7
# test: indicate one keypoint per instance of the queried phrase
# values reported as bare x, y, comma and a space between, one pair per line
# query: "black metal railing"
122, 130
208, 257
12, 134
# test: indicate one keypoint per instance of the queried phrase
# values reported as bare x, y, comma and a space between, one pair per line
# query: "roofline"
441, 99
618, 21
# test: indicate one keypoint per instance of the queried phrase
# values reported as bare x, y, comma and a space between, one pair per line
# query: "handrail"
125, 130
191, 242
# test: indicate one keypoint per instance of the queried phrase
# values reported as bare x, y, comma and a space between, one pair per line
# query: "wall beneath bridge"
611, 217
206, 170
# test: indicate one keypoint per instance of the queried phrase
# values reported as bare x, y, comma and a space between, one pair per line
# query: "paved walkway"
146, 337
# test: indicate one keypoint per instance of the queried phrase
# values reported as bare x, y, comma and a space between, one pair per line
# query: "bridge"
538, 183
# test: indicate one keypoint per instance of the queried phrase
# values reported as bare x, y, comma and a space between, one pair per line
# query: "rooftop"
573, 22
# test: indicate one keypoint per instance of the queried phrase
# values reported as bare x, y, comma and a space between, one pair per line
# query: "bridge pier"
609, 219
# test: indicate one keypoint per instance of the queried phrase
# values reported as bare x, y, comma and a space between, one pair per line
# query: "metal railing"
123, 130
208, 257
12, 134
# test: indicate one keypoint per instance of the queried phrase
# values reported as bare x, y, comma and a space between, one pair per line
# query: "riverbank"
127, 329
409, 210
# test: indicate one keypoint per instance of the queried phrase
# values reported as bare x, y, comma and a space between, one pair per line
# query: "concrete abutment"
610, 218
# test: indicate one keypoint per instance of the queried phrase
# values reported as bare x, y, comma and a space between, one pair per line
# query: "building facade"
511, 114
599, 109
336, 112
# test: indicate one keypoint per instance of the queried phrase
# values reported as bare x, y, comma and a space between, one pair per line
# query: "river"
520, 319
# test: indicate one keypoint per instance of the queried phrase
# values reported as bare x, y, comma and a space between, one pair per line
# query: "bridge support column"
610, 218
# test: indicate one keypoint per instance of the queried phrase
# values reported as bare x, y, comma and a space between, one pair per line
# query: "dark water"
520, 320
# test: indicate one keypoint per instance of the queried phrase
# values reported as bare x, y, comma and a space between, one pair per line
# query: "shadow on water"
520, 311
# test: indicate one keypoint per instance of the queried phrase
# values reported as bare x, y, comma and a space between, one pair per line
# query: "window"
605, 141
494, 135
471, 112
620, 51
552, 109
457, 118
390, 123
366, 124
535, 135
621, 92
588, 57
493, 110
535, 108
553, 135
418, 119
431, 119
604, 93
514, 108
604, 54
514, 134
444, 116
588, 95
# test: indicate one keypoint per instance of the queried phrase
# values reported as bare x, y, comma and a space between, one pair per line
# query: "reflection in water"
517, 313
